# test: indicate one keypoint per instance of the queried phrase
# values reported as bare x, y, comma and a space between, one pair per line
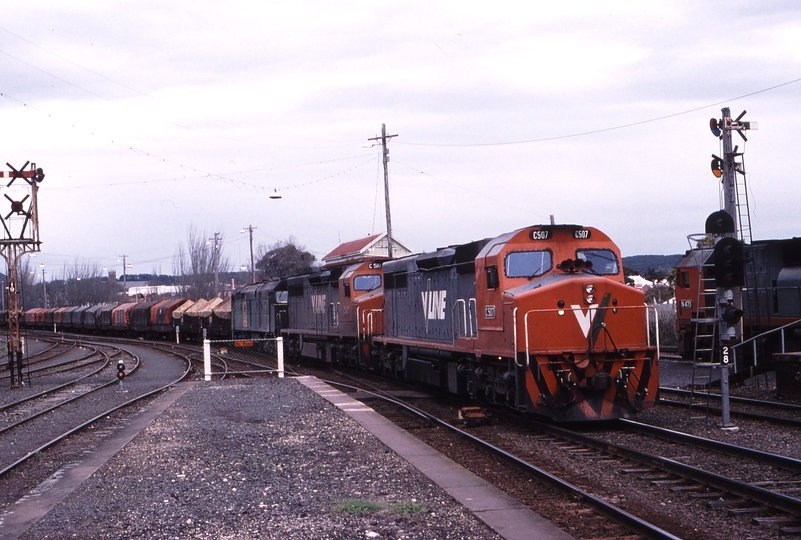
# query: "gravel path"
260, 459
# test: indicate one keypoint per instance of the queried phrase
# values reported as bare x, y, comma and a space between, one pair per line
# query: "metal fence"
243, 357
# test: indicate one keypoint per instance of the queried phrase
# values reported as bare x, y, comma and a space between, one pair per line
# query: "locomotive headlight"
589, 289
561, 305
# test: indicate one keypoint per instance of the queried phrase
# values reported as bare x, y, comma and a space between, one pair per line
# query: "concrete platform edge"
502, 513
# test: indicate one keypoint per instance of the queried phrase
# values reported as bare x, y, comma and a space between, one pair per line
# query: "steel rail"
794, 422
757, 494
61, 386
76, 397
620, 516
91, 421
784, 462
737, 399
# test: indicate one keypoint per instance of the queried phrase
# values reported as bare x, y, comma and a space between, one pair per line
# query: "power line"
613, 128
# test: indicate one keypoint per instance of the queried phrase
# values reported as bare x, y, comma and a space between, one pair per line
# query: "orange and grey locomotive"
539, 320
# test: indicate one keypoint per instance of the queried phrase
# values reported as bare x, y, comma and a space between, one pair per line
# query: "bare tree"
196, 263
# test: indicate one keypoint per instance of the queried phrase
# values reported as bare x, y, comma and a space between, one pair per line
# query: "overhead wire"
606, 129
149, 96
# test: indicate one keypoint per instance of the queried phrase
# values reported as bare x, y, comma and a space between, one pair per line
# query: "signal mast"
732, 228
19, 235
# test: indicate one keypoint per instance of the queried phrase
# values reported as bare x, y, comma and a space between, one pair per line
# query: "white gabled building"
365, 249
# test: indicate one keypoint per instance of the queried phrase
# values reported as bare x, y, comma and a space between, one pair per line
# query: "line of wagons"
191, 319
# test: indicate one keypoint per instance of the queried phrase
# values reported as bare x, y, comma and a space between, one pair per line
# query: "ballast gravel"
260, 459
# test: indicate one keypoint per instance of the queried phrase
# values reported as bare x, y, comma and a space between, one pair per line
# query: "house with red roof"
373, 247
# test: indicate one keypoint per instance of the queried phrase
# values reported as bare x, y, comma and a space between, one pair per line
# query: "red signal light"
713, 125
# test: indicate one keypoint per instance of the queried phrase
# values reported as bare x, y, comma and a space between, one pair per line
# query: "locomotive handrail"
648, 325
759, 336
456, 304
366, 318
474, 307
371, 321
467, 322
552, 310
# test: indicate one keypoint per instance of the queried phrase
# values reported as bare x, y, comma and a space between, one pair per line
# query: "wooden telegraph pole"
384, 138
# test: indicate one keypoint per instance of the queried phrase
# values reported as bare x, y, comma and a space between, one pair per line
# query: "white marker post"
279, 347
207, 359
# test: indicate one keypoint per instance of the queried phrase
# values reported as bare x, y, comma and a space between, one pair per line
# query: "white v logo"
585, 319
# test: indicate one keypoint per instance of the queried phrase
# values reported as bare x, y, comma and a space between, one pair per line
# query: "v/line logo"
318, 303
434, 304
585, 319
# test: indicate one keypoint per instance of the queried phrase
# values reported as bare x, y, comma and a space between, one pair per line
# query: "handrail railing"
454, 330
467, 311
760, 336
647, 308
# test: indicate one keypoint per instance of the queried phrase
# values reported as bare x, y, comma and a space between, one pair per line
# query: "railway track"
774, 412
737, 496
482, 454
760, 498
61, 416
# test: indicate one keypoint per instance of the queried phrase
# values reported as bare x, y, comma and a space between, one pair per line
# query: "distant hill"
647, 264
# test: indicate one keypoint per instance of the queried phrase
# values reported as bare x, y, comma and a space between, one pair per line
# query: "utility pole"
44, 286
215, 254
251, 228
124, 277
383, 138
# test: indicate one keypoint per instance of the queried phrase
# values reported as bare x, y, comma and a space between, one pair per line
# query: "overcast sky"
150, 118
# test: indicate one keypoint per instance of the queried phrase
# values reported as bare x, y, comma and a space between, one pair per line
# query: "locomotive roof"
694, 258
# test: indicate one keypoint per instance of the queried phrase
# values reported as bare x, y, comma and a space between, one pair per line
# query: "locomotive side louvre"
245, 313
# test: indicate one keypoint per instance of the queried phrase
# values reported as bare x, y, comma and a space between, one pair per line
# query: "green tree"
282, 259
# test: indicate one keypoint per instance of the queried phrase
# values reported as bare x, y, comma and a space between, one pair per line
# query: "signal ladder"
706, 321
750, 291
706, 336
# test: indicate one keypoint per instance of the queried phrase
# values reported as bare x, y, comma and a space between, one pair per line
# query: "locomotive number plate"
540, 235
687, 304
581, 234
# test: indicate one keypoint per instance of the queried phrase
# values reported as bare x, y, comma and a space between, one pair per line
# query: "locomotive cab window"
366, 282
604, 261
527, 264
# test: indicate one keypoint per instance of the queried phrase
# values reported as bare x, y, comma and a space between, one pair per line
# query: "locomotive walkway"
268, 458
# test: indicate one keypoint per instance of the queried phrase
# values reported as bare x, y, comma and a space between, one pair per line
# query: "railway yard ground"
294, 458
266, 458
